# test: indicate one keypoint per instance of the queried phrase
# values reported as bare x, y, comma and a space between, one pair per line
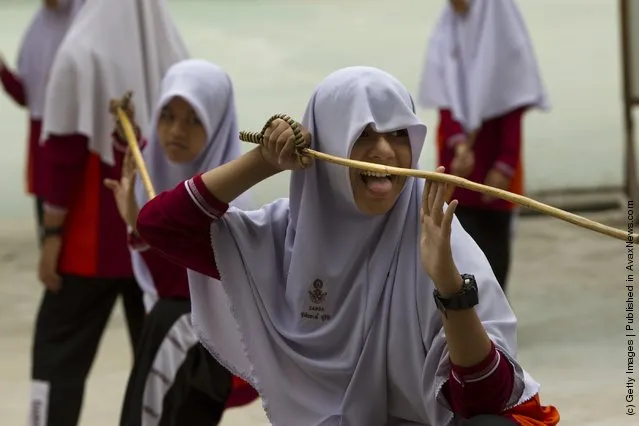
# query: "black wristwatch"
50, 231
466, 298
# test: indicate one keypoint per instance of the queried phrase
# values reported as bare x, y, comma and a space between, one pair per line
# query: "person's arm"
123, 189
229, 181
503, 169
65, 157
454, 137
12, 85
472, 355
481, 378
510, 143
453, 131
484, 388
172, 219
177, 222
456, 154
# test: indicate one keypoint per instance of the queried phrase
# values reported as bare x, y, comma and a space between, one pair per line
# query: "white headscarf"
113, 46
39, 46
334, 321
481, 65
208, 89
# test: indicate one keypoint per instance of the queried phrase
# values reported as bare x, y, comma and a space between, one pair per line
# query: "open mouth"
377, 183
177, 145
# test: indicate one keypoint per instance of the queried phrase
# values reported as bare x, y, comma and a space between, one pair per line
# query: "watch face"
468, 279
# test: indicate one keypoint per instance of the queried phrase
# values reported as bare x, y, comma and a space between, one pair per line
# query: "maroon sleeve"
178, 224
13, 86
510, 143
452, 133
65, 157
482, 389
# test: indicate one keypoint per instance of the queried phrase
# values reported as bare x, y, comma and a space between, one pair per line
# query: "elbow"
482, 392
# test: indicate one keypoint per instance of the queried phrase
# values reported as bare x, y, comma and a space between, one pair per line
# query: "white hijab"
326, 311
113, 46
481, 65
209, 90
39, 46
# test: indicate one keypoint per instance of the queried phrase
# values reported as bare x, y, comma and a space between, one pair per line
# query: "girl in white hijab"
482, 76
194, 129
28, 85
358, 300
112, 46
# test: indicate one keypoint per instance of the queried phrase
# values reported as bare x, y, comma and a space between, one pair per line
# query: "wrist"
132, 220
450, 286
461, 299
449, 282
51, 232
260, 164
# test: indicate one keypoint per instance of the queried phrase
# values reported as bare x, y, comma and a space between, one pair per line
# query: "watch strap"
51, 231
466, 298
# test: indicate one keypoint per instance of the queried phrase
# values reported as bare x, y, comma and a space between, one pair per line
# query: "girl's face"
460, 6
376, 195
180, 131
51, 4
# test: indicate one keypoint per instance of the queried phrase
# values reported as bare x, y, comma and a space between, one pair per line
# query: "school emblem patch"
317, 295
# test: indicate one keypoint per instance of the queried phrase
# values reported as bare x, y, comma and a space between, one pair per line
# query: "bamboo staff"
135, 149
302, 150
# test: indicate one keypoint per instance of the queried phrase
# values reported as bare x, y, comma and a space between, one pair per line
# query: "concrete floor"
568, 290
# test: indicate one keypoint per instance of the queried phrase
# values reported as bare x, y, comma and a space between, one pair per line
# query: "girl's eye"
399, 133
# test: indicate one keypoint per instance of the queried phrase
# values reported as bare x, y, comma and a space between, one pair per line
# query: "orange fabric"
238, 382
80, 245
241, 394
517, 182
532, 413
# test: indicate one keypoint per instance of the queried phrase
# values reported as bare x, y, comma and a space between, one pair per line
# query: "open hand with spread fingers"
124, 191
436, 225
